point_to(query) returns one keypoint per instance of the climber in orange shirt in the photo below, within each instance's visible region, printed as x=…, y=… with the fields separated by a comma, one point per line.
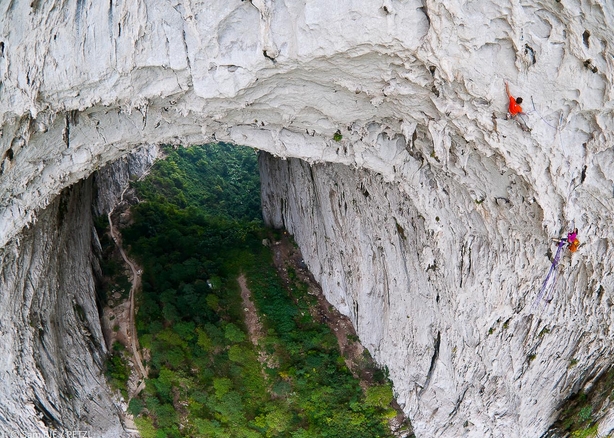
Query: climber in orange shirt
x=515, y=107
x=572, y=240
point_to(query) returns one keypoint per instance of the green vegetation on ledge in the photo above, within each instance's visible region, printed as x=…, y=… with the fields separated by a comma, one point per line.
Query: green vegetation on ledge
x=580, y=412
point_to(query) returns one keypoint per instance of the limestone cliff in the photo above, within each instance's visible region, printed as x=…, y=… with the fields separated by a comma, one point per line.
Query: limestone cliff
x=52, y=347
x=442, y=294
x=111, y=181
x=410, y=95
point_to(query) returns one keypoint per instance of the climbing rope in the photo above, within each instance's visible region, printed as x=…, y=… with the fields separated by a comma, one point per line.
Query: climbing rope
x=546, y=293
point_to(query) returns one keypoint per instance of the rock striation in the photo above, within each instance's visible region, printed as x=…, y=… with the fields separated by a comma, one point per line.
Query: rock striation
x=111, y=181
x=52, y=350
x=409, y=96
x=442, y=293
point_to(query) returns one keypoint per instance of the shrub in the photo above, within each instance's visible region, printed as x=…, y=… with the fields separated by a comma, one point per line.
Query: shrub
x=585, y=413
x=135, y=406
x=379, y=396
x=145, y=427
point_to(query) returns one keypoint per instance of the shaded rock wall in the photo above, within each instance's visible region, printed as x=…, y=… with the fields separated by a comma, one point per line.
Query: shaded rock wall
x=111, y=181
x=52, y=350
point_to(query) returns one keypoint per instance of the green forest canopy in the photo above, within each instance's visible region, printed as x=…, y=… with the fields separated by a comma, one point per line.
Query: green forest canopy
x=196, y=230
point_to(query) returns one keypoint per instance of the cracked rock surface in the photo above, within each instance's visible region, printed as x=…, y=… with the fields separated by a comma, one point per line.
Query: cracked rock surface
x=52, y=352
x=409, y=96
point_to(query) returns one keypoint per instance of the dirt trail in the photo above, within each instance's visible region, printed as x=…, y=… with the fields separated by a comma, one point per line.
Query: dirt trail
x=254, y=326
x=136, y=284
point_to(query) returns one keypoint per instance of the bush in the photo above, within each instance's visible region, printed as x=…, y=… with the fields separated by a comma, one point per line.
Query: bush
x=233, y=333
x=145, y=427
x=585, y=413
x=135, y=406
x=379, y=396
x=118, y=371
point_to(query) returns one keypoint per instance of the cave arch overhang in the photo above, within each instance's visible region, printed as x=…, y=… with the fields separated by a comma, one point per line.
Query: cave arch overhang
x=395, y=84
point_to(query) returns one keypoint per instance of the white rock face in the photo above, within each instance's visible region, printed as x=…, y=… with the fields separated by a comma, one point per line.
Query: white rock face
x=442, y=293
x=52, y=352
x=111, y=181
x=416, y=90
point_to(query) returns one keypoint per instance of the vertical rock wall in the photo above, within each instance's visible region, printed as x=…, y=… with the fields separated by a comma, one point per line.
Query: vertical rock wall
x=111, y=181
x=52, y=350
x=440, y=287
